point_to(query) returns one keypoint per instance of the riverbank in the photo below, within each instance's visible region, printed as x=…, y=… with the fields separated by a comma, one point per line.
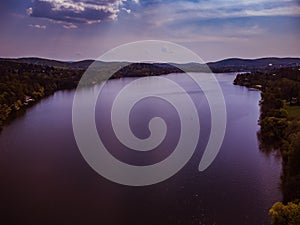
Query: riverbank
x=280, y=131
x=22, y=85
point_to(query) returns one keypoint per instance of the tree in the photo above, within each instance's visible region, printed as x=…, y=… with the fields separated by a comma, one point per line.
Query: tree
x=285, y=214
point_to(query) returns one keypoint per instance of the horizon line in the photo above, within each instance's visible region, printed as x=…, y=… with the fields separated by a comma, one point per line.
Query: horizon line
x=90, y=59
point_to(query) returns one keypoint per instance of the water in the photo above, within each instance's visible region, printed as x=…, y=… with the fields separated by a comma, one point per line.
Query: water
x=45, y=180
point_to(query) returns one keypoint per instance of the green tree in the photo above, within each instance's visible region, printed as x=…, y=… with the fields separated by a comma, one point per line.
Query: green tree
x=4, y=112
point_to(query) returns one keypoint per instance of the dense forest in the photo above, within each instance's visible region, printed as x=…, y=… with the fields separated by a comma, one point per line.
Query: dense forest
x=22, y=84
x=280, y=131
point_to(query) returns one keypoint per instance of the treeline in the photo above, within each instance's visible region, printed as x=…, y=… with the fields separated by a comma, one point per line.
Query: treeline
x=280, y=131
x=21, y=84
x=145, y=70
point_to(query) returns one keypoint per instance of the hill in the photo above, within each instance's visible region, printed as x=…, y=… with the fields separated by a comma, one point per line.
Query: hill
x=273, y=61
x=226, y=65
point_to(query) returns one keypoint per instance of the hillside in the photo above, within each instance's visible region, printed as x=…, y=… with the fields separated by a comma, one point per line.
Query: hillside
x=226, y=65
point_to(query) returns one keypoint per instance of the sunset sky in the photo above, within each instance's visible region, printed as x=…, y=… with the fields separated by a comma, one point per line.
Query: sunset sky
x=215, y=29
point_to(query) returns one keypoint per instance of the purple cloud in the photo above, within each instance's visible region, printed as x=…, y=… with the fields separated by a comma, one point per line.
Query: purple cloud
x=74, y=11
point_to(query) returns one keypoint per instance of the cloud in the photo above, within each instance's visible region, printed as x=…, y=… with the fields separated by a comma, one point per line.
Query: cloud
x=169, y=12
x=75, y=11
x=69, y=26
x=37, y=26
x=224, y=34
x=66, y=25
x=218, y=21
x=126, y=10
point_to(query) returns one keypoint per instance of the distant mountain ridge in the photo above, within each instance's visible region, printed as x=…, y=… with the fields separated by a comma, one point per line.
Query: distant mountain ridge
x=51, y=62
x=256, y=62
x=226, y=65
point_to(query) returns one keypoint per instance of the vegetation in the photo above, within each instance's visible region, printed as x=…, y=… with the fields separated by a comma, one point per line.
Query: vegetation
x=280, y=131
x=22, y=84
x=145, y=69
x=285, y=214
x=293, y=112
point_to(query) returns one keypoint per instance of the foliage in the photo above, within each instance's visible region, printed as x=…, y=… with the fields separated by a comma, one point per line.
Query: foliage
x=22, y=83
x=280, y=129
x=293, y=112
x=285, y=214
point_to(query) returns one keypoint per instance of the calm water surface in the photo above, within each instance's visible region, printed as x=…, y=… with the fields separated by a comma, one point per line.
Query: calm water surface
x=45, y=180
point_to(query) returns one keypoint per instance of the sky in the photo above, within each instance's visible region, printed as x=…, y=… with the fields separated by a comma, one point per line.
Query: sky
x=214, y=29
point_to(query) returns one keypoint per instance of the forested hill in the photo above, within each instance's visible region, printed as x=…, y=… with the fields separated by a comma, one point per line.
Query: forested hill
x=21, y=84
x=256, y=63
x=226, y=65
x=252, y=65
